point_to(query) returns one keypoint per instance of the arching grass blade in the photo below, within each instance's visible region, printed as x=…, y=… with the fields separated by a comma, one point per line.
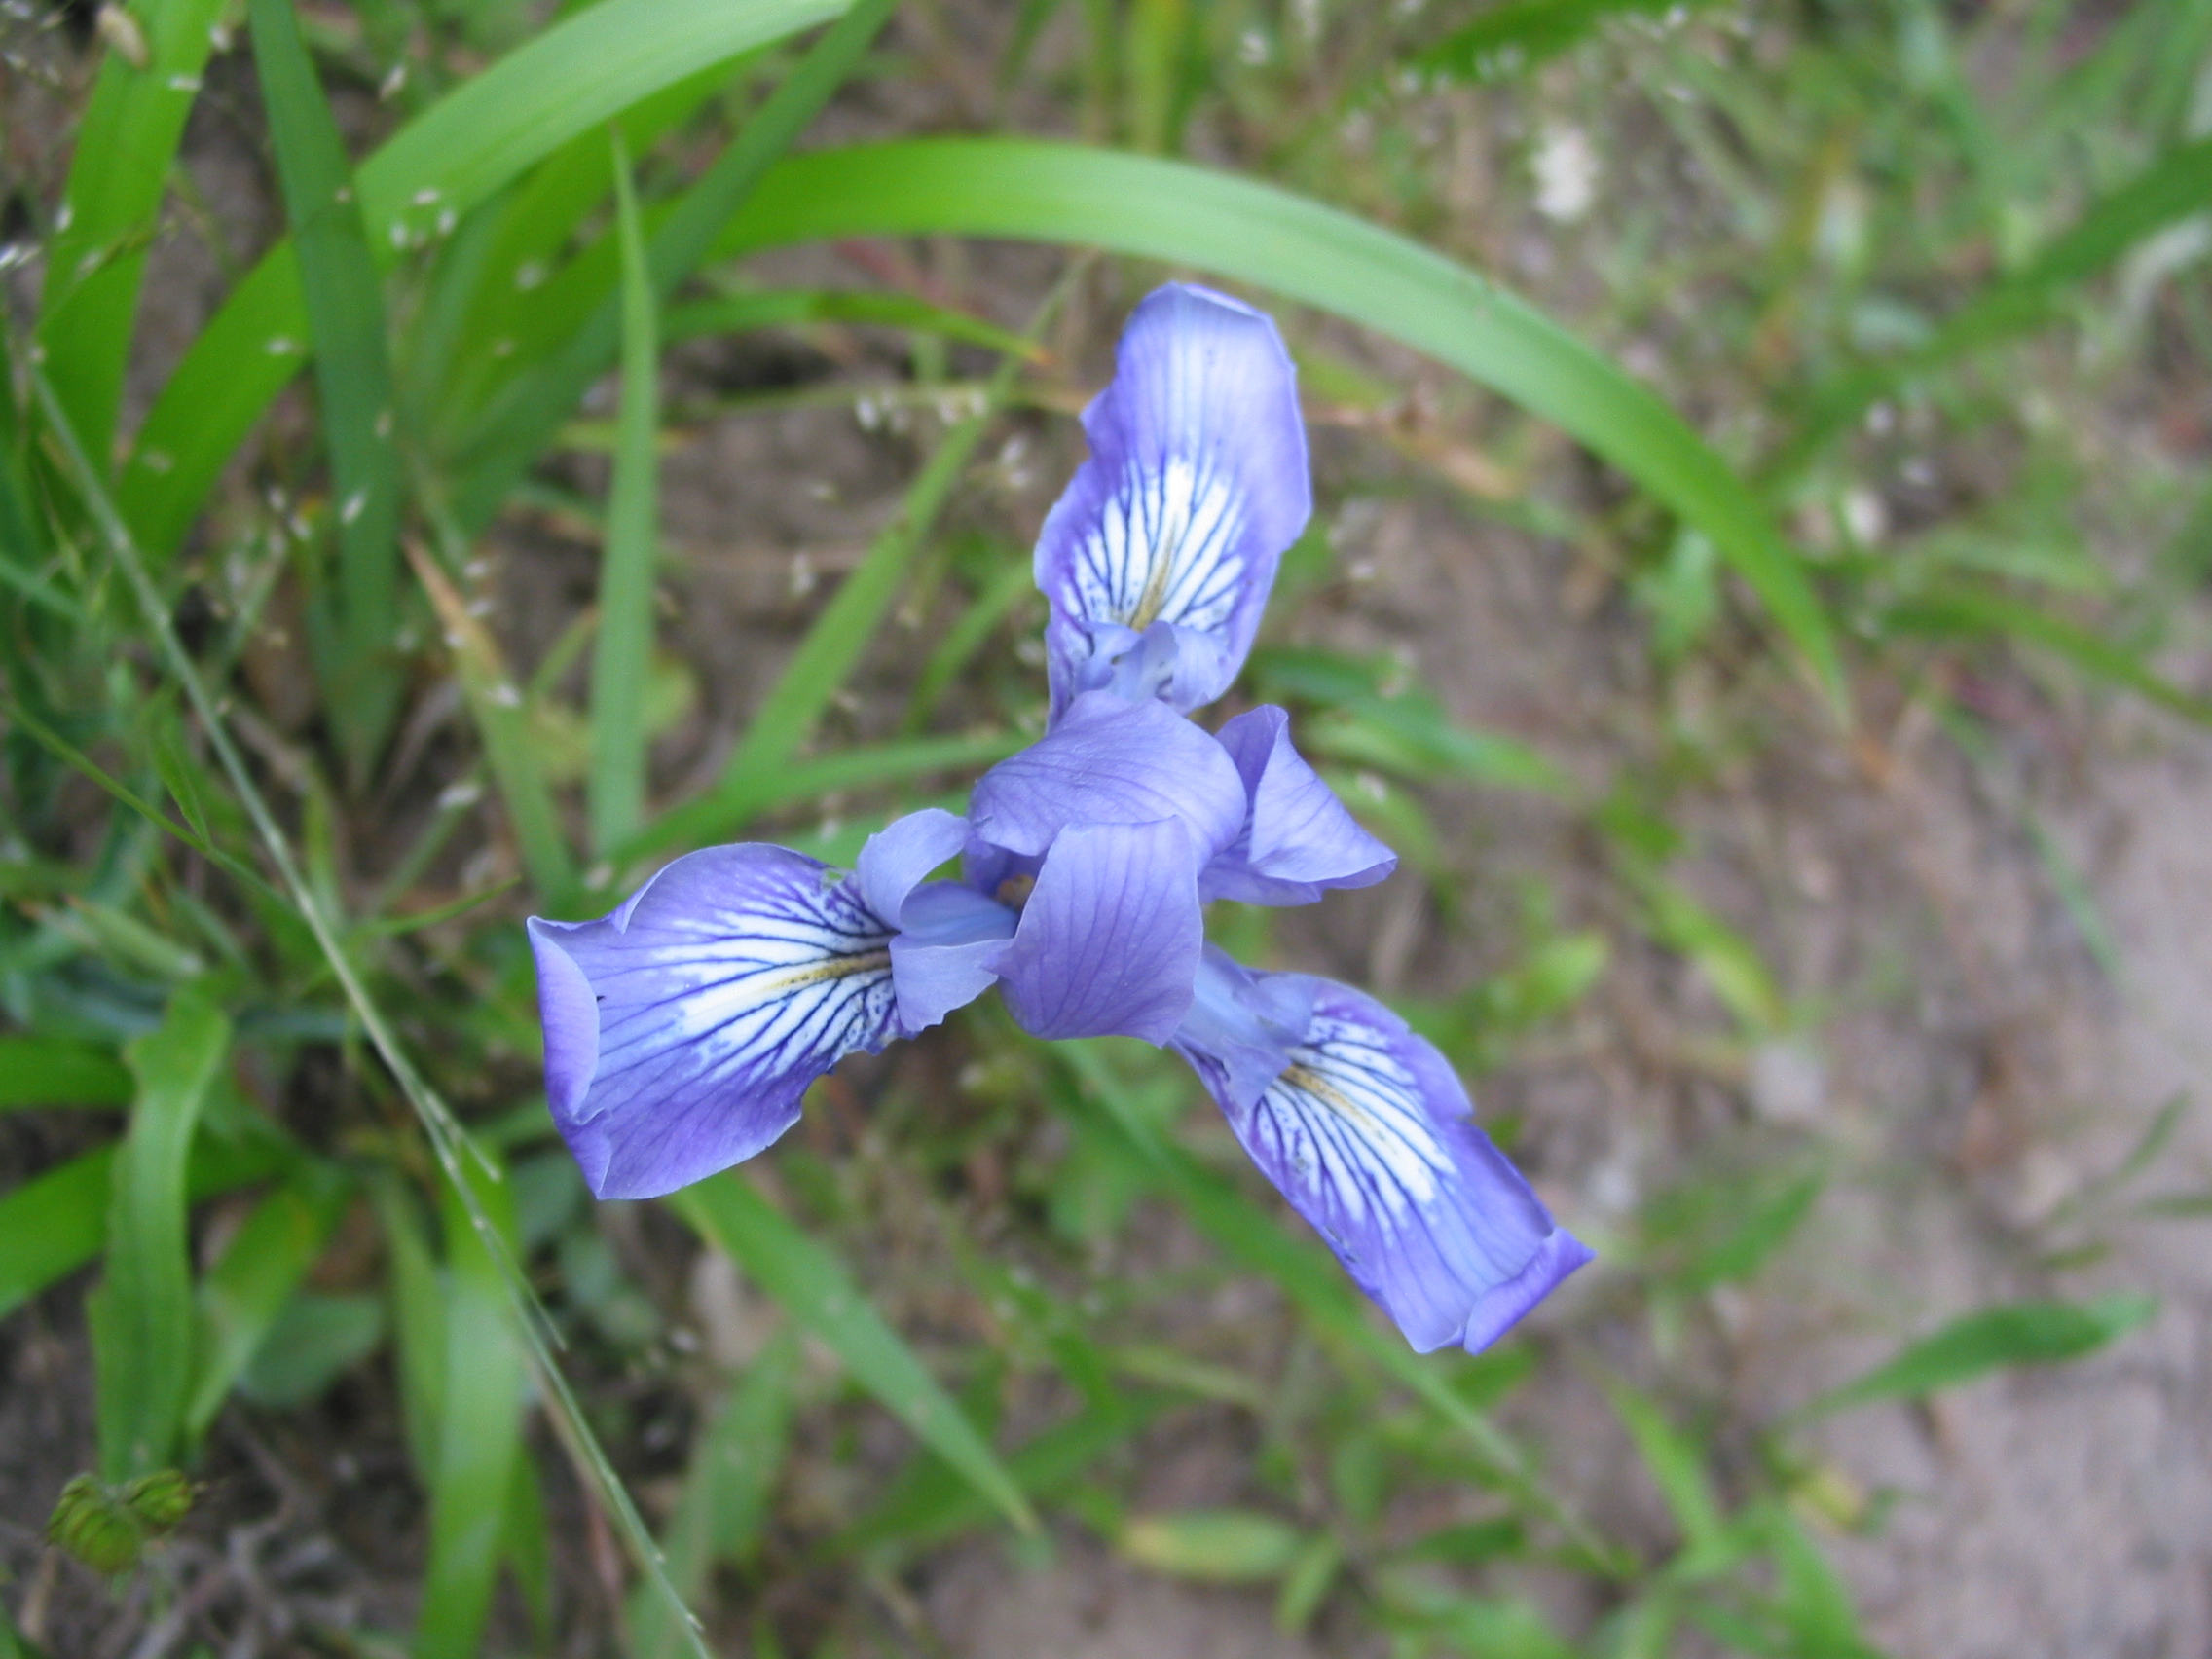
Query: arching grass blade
x=479, y=1428
x=141, y=1314
x=817, y=1291
x=125, y=143
x=246, y=1289
x=1961, y=610
x=2020, y=1333
x=54, y=1223
x=727, y=1489
x=464, y=346
x=721, y=815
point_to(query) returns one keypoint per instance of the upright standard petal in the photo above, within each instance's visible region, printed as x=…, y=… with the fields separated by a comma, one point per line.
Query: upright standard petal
x=1108, y=761
x=1109, y=939
x=681, y=1030
x=1158, y=557
x=1368, y=1133
x=1298, y=840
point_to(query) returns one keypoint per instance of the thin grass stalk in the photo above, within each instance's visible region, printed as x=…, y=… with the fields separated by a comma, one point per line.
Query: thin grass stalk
x=622, y=648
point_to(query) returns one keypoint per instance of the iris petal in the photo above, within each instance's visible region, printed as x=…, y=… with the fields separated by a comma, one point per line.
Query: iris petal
x=1197, y=482
x=682, y=1029
x=942, y=955
x=1109, y=939
x=946, y=951
x=1108, y=761
x=1298, y=840
x=1367, y=1132
x=896, y=857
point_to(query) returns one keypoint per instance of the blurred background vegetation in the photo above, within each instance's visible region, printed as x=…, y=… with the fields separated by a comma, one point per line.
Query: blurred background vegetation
x=457, y=453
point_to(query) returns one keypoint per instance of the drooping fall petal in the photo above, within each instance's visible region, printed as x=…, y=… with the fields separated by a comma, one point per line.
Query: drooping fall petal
x=1369, y=1134
x=681, y=1030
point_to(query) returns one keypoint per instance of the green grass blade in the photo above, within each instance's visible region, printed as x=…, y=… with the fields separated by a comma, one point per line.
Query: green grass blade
x=1761, y=1225
x=76, y=758
x=527, y=1548
x=461, y=350
x=622, y=648
x=312, y=1341
x=2174, y=187
x=98, y=256
x=1956, y=611
x=786, y=307
x=722, y=814
x=479, y=1428
x=24, y=542
x=418, y=1319
x=54, y=1223
x=1508, y=41
x=1255, y=232
x=817, y=1291
x=842, y=630
x=932, y=1503
x=246, y=1289
x=246, y=355
x=1731, y=963
x=1219, y=1546
x=346, y=327
x=2022, y=1332
x=54, y=1071
x=726, y=1490
x=574, y=77
x=1412, y=737
x=597, y=62
x=502, y=719
x=966, y=637
x=524, y=422
x=1811, y=1599
x=1673, y=1460
x=141, y=1314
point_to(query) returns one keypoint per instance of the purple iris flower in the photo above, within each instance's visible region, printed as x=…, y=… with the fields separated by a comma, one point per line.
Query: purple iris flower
x=682, y=1029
